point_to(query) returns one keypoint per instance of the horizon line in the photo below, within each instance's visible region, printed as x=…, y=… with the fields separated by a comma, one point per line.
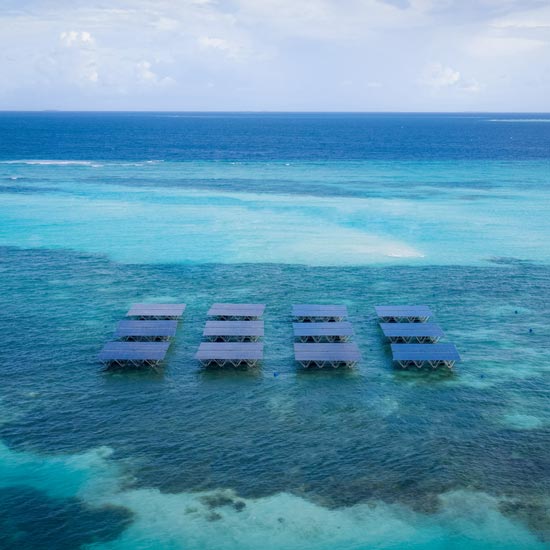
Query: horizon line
x=262, y=111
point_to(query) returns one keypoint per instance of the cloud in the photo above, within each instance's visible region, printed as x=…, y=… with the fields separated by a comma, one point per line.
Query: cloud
x=437, y=76
x=77, y=61
x=76, y=38
x=230, y=49
x=146, y=75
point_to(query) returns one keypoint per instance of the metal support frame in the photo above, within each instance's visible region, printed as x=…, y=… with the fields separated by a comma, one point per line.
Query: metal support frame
x=133, y=363
x=319, y=319
x=401, y=319
x=405, y=364
x=232, y=338
x=230, y=362
x=320, y=364
x=414, y=339
x=318, y=339
x=236, y=318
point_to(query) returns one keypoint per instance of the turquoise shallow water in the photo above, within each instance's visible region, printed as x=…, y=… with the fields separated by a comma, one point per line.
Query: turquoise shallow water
x=313, y=213
x=371, y=458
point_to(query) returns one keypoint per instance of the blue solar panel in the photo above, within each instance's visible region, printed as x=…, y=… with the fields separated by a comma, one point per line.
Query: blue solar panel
x=134, y=351
x=323, y=329
x=327, y=352
x=126, y=329
x=411, y=329
x=228, y=351
x=234, y=328
x=156, y=310
x=319, y=310
x=236, y=310
x=424, y=352
x=403, y=311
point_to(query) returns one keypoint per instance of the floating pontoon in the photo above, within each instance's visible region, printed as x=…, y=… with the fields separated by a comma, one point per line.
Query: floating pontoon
x=245, y=312
x=146, y=330
x=156, y=311
x=319, y=313
x=327, y=355
x=419, y=355
x=133, y=353
x=227, y=331
x=403, y=314
x=323, y=332
x=230, y=354
x=408, y=333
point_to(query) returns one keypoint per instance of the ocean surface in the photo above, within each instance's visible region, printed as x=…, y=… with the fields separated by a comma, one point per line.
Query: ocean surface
x=98, y=211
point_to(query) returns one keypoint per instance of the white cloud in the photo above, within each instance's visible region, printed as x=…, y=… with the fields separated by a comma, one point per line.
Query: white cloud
x=76, y=38
x=437, y=76
x=146, y=75
x=207, y=42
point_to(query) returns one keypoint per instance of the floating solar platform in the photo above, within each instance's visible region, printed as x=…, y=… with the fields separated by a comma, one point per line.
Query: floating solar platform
x=327, y=355
x=248, y=312
x=419, y=355
x=408, y=333
x=227, y=331
x=146, y=330
x=230, y=354
x=316, y=312
x=133, y=353
x=156, y=311
x=403, y=314
x=323, y=332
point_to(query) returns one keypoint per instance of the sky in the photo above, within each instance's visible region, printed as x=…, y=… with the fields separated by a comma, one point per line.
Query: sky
x=275, y=55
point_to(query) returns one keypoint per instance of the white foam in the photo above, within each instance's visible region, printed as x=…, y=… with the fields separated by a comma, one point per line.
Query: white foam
x=47, y=162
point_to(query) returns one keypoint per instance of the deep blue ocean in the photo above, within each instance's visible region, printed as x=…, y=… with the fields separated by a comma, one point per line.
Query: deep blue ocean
x=101, y=210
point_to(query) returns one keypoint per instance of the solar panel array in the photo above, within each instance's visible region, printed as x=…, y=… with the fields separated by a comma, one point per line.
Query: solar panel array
x=413, y=339
x=145, y=339
x=233, y=338
x=323, y=336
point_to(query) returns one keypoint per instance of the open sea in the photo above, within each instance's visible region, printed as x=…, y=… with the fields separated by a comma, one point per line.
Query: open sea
x=98, y=211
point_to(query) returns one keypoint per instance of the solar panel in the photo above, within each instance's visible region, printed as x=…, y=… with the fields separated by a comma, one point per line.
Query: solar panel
x=403, y=312
x=409, y=332
x=156, y=311
x=133, y=351
x=327, y=352
x=425, y=352
x=319, y=311
x=232, y=353
x=234, y=328
x=322, y=329
x=131, y=329
x=237, y=310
